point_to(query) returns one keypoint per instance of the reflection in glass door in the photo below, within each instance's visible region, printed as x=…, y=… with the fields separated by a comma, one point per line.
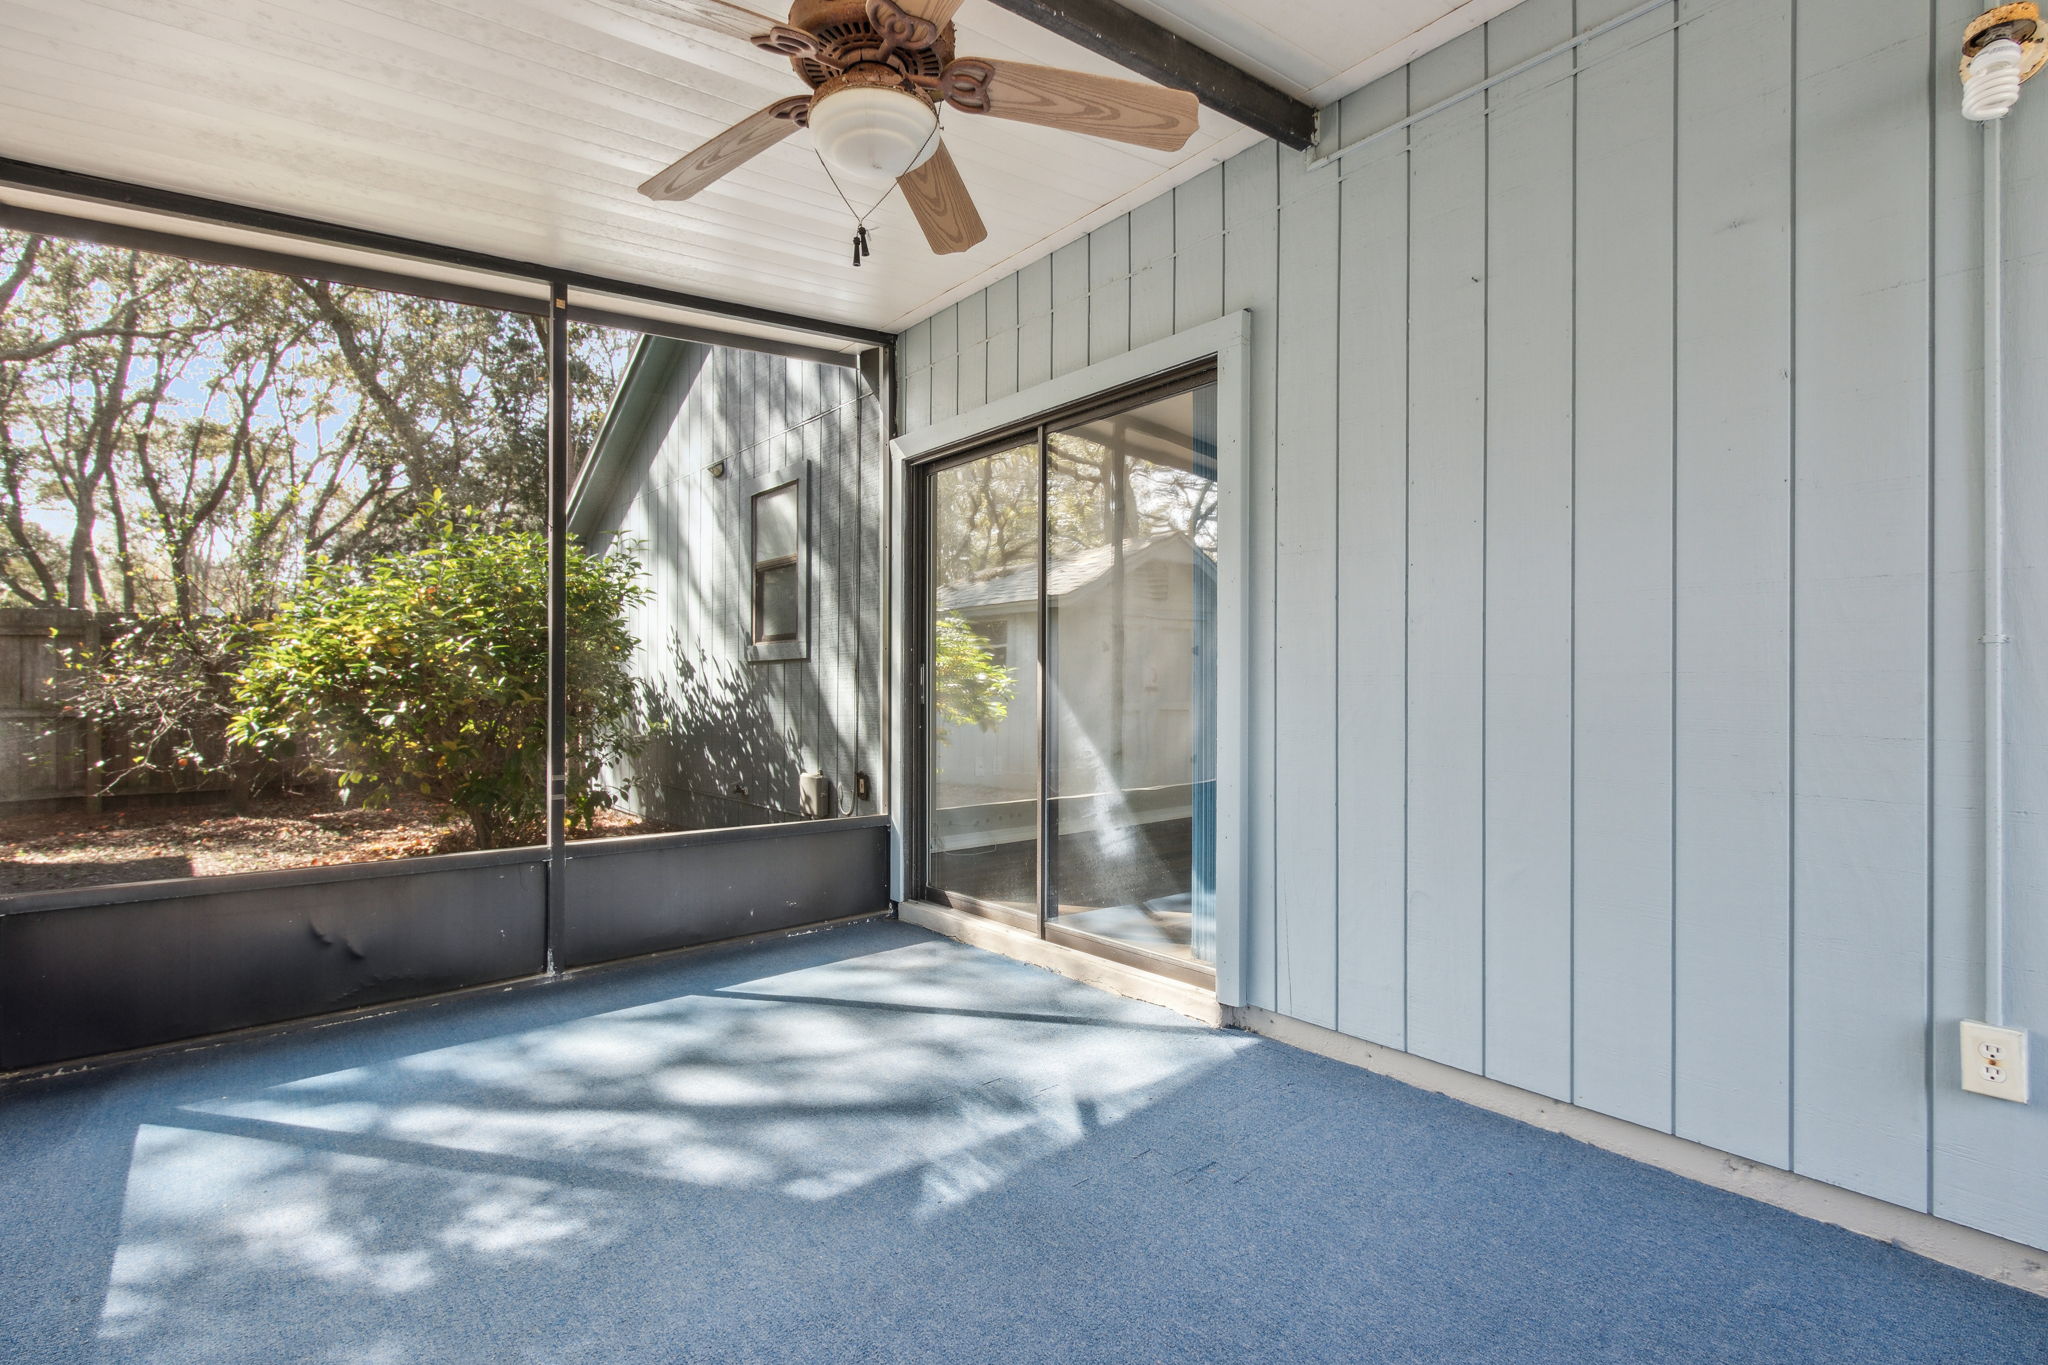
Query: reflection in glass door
x=1087, y=556
x=1131, y=706
x=981, y=676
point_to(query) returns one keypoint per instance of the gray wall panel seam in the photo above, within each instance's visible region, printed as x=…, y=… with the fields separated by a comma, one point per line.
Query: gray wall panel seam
x=1677, y=598
x=1336, y=113
x=1173, y=311
x=1571, y=1031
x=1407, y=543
x=1485, y=515
x=1934, y=73
x=1792, y=607
x=1273, y=610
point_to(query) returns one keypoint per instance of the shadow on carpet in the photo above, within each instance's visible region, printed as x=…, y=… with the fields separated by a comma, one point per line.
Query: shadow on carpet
x=872, y=1144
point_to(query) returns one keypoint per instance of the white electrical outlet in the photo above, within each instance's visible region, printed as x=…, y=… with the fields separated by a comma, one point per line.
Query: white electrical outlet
x=1995, y=1061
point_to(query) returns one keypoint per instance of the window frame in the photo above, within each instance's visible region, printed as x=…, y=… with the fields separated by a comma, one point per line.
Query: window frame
x=777, y=649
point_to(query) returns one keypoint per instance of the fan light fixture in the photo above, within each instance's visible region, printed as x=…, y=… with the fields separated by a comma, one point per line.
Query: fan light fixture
x=868, y=132
x=876, y=71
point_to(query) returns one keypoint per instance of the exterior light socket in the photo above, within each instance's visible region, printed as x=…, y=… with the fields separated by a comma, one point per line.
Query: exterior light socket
x=2019, y=23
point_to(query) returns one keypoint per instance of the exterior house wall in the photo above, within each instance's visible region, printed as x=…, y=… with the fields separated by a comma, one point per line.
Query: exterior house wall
x=1615, y=670
x=1157, y=710
x=989, y=777
x=735, y=734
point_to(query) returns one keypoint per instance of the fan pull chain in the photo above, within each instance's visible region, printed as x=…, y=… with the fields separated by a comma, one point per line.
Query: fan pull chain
x=861, y=248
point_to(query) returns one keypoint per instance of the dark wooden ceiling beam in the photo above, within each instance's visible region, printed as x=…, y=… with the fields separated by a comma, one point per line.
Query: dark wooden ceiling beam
x=1134, y=41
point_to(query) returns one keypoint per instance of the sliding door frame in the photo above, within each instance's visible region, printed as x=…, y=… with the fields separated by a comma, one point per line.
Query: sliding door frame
x=1212, y=353
x=915, y=781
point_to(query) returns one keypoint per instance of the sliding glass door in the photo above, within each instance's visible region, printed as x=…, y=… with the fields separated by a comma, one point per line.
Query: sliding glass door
x=982, y=681
x=1071, y=680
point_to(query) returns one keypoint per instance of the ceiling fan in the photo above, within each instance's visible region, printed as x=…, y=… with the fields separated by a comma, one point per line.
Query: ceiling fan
x=878, y=69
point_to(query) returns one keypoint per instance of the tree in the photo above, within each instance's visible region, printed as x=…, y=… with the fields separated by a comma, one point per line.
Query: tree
x=973, y=689
x=88, y=338
x=162, y=690
x=425, y=671
x=184, y=438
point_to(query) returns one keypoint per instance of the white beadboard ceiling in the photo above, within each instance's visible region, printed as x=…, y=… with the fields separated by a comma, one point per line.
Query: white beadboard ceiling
x=521, y=127
x=1319, y=50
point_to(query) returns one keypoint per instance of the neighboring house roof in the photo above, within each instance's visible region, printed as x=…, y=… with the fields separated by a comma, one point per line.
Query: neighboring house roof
x=661, y=368
x=1069, y=574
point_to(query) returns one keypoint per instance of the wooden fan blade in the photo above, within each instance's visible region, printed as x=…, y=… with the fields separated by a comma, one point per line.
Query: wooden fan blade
x=1101, y=106
x=754, y=134
x=939, y=198
x=940, y=12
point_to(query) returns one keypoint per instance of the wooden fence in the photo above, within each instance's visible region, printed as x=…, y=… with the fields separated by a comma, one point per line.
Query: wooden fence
x=46, y=757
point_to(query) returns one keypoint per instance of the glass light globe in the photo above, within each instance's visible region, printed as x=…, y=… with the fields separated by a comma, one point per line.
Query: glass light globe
x=873, y=133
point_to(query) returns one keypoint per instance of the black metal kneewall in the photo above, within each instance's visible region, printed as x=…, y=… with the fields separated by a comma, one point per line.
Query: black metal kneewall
x=634, y=896
x=81, y=981
x=86, y=973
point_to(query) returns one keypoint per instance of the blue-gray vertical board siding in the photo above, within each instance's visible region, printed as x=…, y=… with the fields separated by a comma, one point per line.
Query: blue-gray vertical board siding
x=1860, y=597
x=1529, y=556
x=1034, y=325
x=1971, y=1183
x=759, y=414
x=1772, y=801
x=1957, y=1187
x=914, y=356
x=1198, y=250
x=1003, y=337
x=1447, y=559
x=1622, y=613
x=1152, y=270
x=1109, y=290
x=873, y=627
x=1251, y=279
x=1308, y=717
x=1070, y=307
x=1372, y=572
x=1732, y=1079
x=974, y=348
x=945, y=364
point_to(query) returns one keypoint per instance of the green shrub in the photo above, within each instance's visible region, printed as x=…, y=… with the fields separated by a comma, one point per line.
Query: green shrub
x=426, y=671
x=973, y=689
x=161, y=690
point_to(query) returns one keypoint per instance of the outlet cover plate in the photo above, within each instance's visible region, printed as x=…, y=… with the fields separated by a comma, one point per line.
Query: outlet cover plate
x=1995, y=1061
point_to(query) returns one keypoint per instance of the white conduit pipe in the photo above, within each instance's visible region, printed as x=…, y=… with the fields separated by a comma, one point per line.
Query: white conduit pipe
x=1989, y=93
x=1994, y=571
x=1317, y=158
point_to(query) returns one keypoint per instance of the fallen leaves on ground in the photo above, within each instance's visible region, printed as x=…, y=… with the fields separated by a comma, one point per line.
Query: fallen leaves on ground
x=71, y=848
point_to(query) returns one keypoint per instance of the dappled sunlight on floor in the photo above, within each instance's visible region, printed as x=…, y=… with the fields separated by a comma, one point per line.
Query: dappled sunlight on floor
x=803, y=1087
x=918, y=1077
x=868, y=1143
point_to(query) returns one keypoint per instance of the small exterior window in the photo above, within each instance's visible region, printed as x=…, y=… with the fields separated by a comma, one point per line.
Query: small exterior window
x=778, y=562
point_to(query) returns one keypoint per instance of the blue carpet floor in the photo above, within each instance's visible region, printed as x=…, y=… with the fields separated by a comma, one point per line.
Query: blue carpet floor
x=869, y=1144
